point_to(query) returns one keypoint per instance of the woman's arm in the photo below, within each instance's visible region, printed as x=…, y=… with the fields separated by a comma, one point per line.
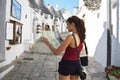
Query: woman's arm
x=61, y=48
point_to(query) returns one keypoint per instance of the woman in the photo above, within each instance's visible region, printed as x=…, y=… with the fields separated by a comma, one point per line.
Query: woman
x=68, y=66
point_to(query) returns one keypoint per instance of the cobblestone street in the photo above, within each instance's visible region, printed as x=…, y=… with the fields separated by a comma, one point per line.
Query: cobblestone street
x=44, y=66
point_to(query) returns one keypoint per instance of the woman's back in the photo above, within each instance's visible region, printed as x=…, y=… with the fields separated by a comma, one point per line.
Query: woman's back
x=70, y=52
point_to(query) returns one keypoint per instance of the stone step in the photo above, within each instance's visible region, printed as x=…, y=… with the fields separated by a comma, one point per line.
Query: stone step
x=5, y=69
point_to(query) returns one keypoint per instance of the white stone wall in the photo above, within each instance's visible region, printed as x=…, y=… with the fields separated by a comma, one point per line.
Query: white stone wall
x=119, y=18
x=17, y=49
x=96, y=32
x=115, y=37
x=101, y=48
x=26, y=20
x=2, y=29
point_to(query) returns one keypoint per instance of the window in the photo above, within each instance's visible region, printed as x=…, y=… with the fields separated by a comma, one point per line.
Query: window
x=16, y=10
x=17, y=33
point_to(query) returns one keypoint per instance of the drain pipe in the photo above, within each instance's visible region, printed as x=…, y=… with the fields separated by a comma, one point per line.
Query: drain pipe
x=108, y=32
x=118, y=19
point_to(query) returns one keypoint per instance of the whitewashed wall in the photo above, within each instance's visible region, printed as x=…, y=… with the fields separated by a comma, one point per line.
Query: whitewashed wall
x=2, y=29
x=115, y=37
x=26, y=20
x=18, y=49
x=96, y=33
x=101, y=47
x=97, y=36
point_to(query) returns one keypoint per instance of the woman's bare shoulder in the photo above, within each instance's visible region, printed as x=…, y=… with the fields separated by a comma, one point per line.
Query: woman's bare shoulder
x=68, y=39
x=69, y=36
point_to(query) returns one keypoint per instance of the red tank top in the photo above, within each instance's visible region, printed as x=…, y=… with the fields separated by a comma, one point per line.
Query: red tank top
x=70, y=53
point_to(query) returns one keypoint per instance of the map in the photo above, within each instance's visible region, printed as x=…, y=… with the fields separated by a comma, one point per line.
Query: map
x=51, y=37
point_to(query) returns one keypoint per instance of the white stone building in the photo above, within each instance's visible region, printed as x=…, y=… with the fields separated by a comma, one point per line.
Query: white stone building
x=97, y=23
x=21, y=24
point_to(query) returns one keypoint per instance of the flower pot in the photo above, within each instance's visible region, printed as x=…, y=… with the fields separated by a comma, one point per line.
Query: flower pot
x=112, y=77
x=113, y=72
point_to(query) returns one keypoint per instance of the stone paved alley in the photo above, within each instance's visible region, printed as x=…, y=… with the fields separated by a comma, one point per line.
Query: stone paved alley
x=41, y=64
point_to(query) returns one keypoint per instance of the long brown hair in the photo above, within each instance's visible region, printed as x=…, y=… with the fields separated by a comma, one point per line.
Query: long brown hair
x=79, y=23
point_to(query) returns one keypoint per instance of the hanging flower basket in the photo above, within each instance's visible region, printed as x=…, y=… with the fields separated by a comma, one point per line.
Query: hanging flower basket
x=113, y=72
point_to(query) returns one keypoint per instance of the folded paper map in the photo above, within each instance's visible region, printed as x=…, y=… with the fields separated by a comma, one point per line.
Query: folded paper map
x=51, y=37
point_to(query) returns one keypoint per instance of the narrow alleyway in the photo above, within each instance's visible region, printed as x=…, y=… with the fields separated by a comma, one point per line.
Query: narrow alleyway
x=36, y=65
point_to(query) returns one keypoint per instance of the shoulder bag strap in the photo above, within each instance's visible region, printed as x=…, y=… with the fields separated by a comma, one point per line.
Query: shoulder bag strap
x=86, y=48
x=77, y=50
x=84, y=45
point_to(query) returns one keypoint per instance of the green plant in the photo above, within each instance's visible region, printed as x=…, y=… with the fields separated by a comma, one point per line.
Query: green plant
x=113, y=70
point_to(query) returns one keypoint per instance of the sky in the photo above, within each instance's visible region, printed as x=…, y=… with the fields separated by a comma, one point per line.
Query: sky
x=67, y=4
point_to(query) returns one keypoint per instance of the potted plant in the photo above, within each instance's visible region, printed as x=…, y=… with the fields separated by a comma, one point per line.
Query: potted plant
x=113, y=72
